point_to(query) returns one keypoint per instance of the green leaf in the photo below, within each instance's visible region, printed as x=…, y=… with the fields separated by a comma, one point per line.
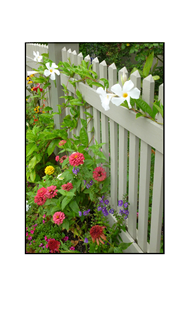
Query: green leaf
x=83, y=137
x=156, y=77
x=106, y=82
x=33, y=175
x=148, y=64
x=66, y=224
x=65, y=202
x=30, y=148
x=79, y=95
x=139, y=115
x=124, y=246
x=74, y=206
x=117, y=250
x=159, y=107
x=52, y=146
x=84, y=123
x=32, y=162
x=144, y=106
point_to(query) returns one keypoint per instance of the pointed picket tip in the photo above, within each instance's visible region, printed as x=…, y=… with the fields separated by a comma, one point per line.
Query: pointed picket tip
x=124, y=69
x=64, y=49
x=113, y=66
x=74, y=52
x=80, y=55
x=149, y=78
x=95, y=60
x=87, y=57
x=103, y=63
x=137, y=74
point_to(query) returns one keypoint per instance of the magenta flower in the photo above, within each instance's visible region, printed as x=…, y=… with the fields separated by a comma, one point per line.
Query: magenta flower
x=29, y=238
x=44, y=216
x=65, y=238
x=32, y=231
x=57, y=158
x=43, y=221
x=26, y=234
x=46, y=238
x=72, y=248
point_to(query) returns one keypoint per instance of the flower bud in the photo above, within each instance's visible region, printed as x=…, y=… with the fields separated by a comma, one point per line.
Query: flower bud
x=123, y=78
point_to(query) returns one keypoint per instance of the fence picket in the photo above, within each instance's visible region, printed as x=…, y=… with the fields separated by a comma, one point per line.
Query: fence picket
x=112, y=78
x=160, y=97
x=120, y=73
x=145, y=160
x=133, y=183
x=148, y=90
x=123, y=141
x=157, y=204
x=136, y=79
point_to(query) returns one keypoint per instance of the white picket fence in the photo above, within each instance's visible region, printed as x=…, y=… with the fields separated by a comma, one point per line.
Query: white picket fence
x=119, y=121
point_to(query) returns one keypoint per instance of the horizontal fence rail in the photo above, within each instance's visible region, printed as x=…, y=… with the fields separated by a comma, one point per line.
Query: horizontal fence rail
x=128, y=145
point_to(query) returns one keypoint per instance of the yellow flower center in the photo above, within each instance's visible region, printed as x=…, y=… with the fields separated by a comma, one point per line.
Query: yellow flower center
x=125, y=95
x=75, y=156
x=57, y=217
x=51, y=70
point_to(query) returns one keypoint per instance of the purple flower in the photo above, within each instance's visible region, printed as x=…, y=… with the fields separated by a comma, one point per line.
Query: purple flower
x=86, y=240
x=125, y=211
x=99, y=209
x=125, y=217
x=111, y=211
x=74, y=171
x=101, y=201
x=88, y=186
x=80, y=213
x=121, y=211
x=105, y=212
x=106, y=201
x=125, y=204
x=91, y=182
x=120, y=203
x=84, y=181
x=41, y=244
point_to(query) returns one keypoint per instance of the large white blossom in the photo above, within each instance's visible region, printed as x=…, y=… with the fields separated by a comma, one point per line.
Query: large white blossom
x=128, y=91
x=51, y=70
x=37, y=58
x=105, y=98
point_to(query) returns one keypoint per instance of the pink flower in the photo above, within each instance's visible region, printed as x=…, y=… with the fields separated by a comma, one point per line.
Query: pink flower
x=41, y=192
x=137, y=214
x=62, y=142
x=65, y=238
x=40, y=198
x=26, y=228
x=46, y=238
x=32, y=231
x=76, y=159
x=68, y=186
x=99, y=174
x=57, y=158
x=58, y=217
x=26, y=234
x=44, y=216
x=29, y=238
x=51, y=192
x=72, y=248
x=43, y=221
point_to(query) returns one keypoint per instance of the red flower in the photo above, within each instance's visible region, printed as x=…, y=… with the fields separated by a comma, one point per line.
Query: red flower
x=38, y=86
x=76, y=159
x=67, y=186
x=53, y=245
x=99, y=174
x=51, y=192
x=97, y=234
x=40, y=198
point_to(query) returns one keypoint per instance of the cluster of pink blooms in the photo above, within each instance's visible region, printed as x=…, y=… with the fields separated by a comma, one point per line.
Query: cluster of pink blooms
x=68, y=186
x=32, y=232
x=58, y=217
x=76, y=159
x=99, y=174
x=45, y=193
x=57, y=158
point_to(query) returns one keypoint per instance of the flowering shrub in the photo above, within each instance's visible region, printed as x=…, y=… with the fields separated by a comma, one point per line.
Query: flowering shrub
x=68, y=204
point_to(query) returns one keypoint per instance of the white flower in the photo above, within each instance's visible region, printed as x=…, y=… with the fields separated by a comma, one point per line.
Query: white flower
x=27, y=206
x=125, y=93
x=51, y=70
x=37, y=58
x=31, y=72
x=59, y=177
x=105, y=98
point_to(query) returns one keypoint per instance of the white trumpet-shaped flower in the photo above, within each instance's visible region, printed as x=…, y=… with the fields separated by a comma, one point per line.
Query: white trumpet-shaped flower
x=37, y=58
x=128, y=91
x=105, y=98
x=51, y=70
